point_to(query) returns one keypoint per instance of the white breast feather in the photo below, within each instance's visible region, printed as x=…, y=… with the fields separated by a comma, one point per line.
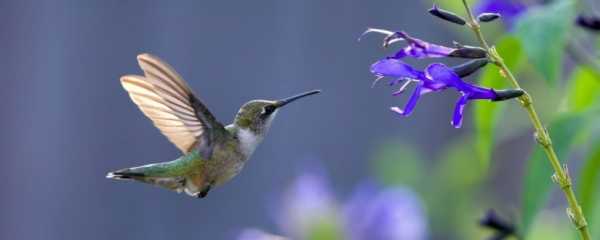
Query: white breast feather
x=248, y=141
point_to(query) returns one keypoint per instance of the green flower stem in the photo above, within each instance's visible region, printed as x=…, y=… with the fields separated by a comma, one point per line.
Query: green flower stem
x=561, y=175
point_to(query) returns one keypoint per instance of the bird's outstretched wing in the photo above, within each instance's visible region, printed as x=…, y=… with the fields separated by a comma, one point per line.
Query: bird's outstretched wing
x=165, y=98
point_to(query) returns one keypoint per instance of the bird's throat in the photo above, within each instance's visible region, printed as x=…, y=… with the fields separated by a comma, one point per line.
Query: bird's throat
x=249, y=140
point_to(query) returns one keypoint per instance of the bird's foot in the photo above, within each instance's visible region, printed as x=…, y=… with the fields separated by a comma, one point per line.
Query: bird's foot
x=204, y=192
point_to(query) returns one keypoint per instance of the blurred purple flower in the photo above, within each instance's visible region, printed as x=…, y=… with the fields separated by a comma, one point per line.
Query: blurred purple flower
x=306, y=202
x=371, y=213
x=509, y=9
x=436, y=77
x=255, y=234
x=389, y=214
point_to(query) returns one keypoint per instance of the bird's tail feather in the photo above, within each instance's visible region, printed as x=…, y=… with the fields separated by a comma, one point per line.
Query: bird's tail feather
x=125, y=174
x=151, y=170
x=156, y=174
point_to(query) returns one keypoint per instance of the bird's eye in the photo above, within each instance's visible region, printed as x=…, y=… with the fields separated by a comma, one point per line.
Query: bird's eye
x=267, y=110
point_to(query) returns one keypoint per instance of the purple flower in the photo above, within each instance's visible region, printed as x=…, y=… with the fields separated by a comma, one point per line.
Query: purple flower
x=389, y=214
x=436, y=77
x=309, y=211
x=419, y=49
x=306, y=203
x=509, y=9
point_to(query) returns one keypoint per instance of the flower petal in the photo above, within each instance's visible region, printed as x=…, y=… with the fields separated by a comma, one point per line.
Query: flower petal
x=389, y=35
x=412, y=102
x=419, y=49
x=395, y=68
x=442, y=76
x=458, y=111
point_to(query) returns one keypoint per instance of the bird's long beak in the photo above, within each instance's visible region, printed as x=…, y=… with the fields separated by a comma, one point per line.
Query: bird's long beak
x=285, y=101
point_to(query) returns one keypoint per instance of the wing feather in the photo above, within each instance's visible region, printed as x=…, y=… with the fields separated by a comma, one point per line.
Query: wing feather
x=155, y=105
x=165, y=98
x=179, y=125
x=168, y=83
x=164, y=74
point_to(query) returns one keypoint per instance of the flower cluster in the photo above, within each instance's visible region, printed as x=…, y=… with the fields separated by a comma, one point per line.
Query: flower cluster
x=436, y=77
x=308, y=210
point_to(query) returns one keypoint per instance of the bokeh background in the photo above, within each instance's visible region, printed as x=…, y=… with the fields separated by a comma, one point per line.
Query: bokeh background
x=66, y=120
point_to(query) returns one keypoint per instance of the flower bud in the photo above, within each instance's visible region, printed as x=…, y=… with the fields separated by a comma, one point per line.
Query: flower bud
x=492, y=221
x=469, y=52
x=506, y=94
x=446, y=15
x=470, y=67
x=488, y=17
x=590, y=23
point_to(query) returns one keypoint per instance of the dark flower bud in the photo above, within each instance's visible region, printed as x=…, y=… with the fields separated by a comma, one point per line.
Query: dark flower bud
x=588, y=22
x=470, y=67
x=446, y=15
x=468, y=52
x=506, y=94
x=488, y=17
x=502, y=228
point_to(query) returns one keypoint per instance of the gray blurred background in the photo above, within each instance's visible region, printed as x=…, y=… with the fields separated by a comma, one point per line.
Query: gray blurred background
x=66, y=120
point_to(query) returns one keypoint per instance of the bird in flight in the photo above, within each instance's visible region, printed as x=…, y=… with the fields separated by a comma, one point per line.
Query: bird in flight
x=212, y=153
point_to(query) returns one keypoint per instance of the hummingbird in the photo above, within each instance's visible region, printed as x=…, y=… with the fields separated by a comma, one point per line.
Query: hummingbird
x=212, y=153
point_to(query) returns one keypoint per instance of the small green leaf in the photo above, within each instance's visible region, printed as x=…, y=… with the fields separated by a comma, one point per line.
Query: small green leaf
x=589, y=183
x=537, y=182
x=486, y=113
x=543, y=31
x=584, y=89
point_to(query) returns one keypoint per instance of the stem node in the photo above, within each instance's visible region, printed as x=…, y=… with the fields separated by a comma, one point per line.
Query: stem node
x=541, y=136
x=579, y=223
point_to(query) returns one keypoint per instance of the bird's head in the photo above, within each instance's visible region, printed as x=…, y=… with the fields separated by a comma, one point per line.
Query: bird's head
x=256, y=116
